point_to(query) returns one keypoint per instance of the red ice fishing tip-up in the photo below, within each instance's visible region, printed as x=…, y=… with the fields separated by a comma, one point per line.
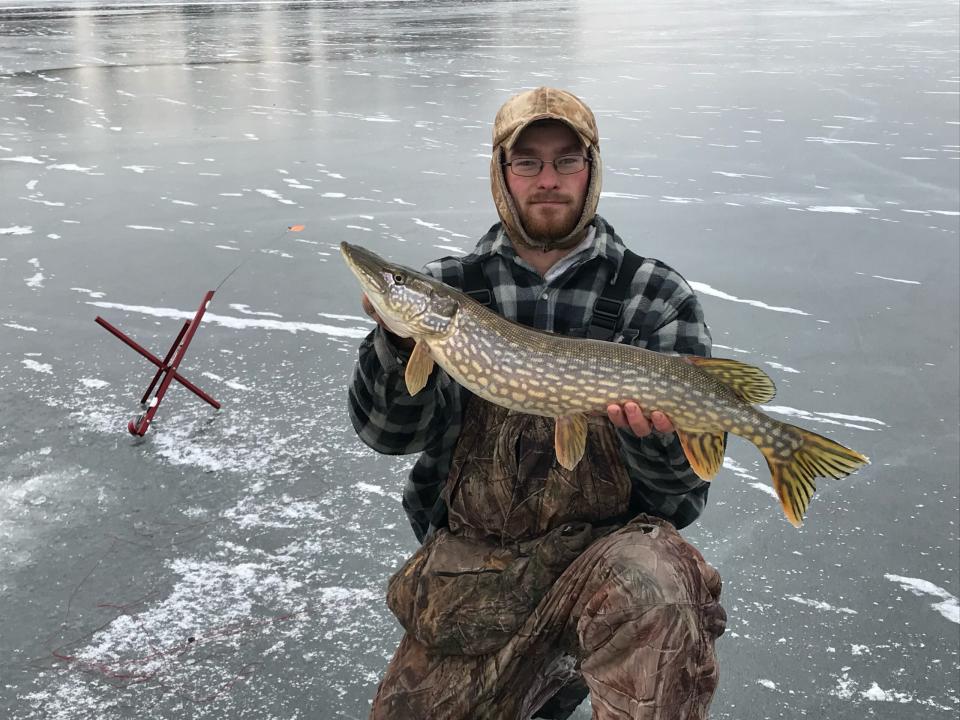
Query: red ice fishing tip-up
x=166, y=368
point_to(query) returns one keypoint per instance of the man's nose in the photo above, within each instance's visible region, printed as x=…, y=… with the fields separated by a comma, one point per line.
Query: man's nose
x=548, y=177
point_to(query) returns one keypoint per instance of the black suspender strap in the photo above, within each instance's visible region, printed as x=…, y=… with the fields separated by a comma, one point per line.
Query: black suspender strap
x=475, y=284
x=607, y=315
x=606, y=319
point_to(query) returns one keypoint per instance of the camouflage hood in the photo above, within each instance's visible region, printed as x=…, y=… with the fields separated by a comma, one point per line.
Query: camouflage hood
x=513, y=118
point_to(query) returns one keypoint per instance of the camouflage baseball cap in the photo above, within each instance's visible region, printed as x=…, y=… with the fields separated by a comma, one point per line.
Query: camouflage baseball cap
x=544, y=103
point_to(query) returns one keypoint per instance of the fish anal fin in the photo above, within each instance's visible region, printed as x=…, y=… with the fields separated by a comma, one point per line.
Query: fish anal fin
x=704, y=451
x=419, y=367
x=750, y=383
x=570, y=439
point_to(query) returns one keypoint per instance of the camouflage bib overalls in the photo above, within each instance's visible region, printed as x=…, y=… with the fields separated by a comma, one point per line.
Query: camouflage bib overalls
x=533, y=589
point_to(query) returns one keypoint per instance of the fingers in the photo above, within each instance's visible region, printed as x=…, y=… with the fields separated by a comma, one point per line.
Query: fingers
x=368, y=306
x=370, y=310
x=630, y=416
x=661, y=423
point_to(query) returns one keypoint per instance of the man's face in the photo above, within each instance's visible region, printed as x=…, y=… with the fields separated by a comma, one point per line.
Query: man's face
x=549, y=204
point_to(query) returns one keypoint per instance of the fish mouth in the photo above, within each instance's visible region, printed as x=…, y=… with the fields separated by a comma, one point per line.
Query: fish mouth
x=367, y=266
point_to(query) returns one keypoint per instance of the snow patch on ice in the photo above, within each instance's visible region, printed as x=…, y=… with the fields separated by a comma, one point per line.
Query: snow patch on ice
x=24, y=159
x=733, y=349
x=622, y=195
x=93, y=383
x=741, y=175
x=892, y=279
x=827, y=418
x=35, y=280
x=39, y=367
x=950, y=605
x=707, y=290
x=274, y=195
x=836, y=141
x=367, y=487
x=878, y=694
x=737, y=469
x=240, y=323
x=847, y=689
x=233, y=384
x=820, y=605
x=287, y=512
x=763, y=487
x=434, y=226
x=778, y=366
x=451, y=248
x=842, y=209
x=91, y=293
x=17, y=230
x=245, y=309
x=71, y=167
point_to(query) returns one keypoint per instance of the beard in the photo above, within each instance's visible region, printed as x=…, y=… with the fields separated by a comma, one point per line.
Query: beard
x=549, y=223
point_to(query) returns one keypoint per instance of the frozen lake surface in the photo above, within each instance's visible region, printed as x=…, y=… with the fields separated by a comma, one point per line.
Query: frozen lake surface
x=797, y=162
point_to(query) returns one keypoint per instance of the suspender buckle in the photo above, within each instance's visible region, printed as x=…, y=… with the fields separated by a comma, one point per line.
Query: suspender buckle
x=606, y=313
x=484, y=297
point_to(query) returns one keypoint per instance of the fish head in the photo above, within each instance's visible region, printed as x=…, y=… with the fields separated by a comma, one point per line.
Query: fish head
x=410, y=303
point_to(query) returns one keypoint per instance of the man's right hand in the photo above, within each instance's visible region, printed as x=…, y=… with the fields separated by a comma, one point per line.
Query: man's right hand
x=400, y=342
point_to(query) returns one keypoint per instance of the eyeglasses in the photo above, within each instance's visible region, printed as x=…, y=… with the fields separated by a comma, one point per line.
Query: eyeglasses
x=531, y=167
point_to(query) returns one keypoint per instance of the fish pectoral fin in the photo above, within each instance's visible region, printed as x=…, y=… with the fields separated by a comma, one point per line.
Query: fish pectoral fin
x=570, y=439
x=751, y=384
x=704, y=451
x=419, y=367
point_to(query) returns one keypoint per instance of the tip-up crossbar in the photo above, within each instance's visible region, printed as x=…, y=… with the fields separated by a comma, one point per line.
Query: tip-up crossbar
x=167, y=369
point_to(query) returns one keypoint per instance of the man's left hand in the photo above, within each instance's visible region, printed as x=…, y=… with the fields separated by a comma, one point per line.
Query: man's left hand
x=631, y=416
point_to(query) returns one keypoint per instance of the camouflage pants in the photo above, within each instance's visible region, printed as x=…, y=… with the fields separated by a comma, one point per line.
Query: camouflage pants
x=635, y=615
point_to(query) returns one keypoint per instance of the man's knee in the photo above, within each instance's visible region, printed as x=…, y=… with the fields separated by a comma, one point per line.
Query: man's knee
x=652, y=562
x=643, y=566
x=647, y=623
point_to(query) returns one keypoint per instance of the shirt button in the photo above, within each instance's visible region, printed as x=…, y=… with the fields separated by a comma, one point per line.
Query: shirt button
x=544, y=296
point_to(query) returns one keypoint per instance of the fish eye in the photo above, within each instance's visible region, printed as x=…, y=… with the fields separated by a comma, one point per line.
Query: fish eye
x=399, y=279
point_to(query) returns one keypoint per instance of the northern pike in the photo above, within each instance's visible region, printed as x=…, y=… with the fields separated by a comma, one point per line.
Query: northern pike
x=542, y=373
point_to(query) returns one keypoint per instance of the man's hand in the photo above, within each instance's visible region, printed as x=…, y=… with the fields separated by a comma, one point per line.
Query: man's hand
x=631, y=416
x=369, y=309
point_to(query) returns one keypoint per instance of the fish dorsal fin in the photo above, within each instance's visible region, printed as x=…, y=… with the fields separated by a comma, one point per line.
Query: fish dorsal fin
x=570, y=439
x=704, y=451
x=419, y=367
x=751, y=384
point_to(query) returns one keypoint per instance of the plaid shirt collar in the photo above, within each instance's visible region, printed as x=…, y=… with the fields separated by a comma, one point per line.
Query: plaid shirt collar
x=606, y=245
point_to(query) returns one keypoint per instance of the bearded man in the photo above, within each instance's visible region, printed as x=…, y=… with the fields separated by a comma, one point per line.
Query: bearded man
x=534, y=584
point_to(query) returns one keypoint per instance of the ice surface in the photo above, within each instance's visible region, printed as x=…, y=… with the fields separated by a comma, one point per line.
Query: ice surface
x=797, y=163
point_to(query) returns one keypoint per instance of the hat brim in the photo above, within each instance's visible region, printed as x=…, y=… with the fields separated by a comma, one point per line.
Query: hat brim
x=512, y=138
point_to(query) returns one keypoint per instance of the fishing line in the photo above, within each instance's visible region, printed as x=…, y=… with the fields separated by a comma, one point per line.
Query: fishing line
x=168, y=367
x=289, y=229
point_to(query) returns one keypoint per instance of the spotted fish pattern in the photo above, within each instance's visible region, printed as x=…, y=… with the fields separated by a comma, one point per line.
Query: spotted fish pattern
x=541, y=373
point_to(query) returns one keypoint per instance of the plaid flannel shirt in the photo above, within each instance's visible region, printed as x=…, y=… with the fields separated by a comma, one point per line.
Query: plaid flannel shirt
x=661, y=313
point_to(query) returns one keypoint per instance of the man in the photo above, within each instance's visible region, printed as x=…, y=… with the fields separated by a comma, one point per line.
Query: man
x=534, y=583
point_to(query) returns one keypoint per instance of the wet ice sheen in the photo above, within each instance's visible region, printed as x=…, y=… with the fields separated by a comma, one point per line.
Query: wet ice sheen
x=797, y=163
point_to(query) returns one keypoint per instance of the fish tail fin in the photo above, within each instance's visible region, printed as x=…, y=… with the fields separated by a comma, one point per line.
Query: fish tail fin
x=814, y=456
